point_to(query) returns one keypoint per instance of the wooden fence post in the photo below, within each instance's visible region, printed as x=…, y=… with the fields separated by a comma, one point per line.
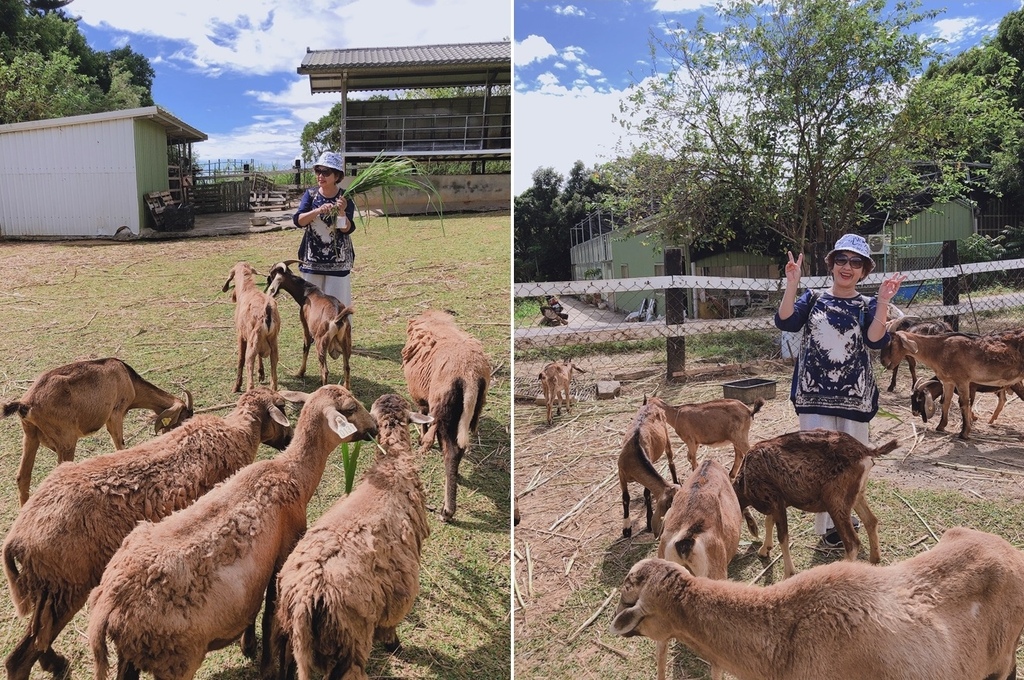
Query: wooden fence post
x=675, y=313
x=951, y=286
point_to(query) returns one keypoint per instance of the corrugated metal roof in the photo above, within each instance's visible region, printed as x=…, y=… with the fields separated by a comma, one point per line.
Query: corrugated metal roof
x=176, y=129
x=420, y=66
x=496, y=53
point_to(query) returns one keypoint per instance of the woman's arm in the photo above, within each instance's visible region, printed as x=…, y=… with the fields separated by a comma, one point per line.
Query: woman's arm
x=886, y=292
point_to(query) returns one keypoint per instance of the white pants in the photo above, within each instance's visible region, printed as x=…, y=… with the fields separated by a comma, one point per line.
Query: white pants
x=336, y=286
x=860, y=431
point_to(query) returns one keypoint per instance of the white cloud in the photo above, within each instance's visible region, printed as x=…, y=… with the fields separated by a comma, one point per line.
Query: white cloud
x=954, y=30
x=569, y=11
x=534, y=48
x=681, y=5
x=556, y=126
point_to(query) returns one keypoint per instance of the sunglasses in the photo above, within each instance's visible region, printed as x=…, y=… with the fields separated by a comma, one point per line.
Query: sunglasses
x=324, y=171
x=854, y=262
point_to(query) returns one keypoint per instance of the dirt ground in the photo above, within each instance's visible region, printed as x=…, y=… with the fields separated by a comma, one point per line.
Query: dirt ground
x=567, y=486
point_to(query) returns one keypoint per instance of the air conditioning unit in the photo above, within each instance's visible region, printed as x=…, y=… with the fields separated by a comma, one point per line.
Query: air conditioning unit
x=879, y=244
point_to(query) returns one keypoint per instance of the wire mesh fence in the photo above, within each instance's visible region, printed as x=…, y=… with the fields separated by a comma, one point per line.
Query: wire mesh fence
x=549, y=317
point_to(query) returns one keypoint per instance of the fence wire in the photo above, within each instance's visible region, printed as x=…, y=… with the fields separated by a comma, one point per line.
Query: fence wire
x=974, y=298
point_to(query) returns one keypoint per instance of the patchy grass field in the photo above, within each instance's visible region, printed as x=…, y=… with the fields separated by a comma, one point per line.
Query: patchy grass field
x=159, y=306
x=570, y=557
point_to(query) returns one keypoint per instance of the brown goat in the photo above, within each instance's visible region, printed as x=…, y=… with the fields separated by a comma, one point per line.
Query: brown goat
x=959, y=359
x=644, y=443
x=257, y=324
x=701, y=532
x=813, y=471
x=447, y=372
x=195, y=581
x=713, y=423
x=555, y=380
x=325, y=319
x=354, y=576
x=67, y=403
x=915, y=325
x=68, y=530
x=955, y=611
x=927, y=393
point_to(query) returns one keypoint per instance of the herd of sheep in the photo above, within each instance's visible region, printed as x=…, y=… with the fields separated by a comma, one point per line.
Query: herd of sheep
x=956, y=611
x=177, y=543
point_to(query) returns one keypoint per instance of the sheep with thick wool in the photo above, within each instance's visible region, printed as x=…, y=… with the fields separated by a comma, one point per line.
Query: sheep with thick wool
x=448, y=374
x=355, y=574
x=195, y=582
x=62, y=539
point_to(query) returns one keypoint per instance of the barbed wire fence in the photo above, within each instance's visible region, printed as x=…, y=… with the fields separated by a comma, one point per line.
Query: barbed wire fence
x=975, y=298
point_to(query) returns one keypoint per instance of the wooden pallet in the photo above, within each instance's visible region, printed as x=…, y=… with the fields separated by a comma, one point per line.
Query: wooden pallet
x=169, y=214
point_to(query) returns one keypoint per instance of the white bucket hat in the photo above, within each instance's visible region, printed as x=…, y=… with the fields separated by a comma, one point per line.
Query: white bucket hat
x=332, y=160
x=854, y=243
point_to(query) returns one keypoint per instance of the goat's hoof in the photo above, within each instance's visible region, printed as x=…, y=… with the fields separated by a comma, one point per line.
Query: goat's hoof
x=393, y=645
x=763, y=552
x=57, y=666
x=627, y=532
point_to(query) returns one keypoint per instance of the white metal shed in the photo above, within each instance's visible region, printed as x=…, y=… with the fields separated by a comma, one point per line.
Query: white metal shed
x=85, y=175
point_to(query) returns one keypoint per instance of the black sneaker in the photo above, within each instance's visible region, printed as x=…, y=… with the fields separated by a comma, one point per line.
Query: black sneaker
x=831, y=541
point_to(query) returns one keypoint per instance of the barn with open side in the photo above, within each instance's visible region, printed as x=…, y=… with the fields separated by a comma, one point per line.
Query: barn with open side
x=87, y=176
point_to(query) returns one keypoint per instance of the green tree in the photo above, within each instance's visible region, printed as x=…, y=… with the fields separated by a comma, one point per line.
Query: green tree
x=33, y=87
x=794, y=111
x=541, y=240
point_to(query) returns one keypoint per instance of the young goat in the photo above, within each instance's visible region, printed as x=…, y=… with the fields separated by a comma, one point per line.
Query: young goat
x=915, y=325
x=813, y=471
x=713, y=423
x=447, y=372
x=257, y=324
x=955, y=611
x=194, y=582
x=325, y=320
x=645, y=441
x=701, y=532
x=555, y=380
x=958, y=360
x=67, y=403
x=925, y=394
x=68, y=530
x=355, y=574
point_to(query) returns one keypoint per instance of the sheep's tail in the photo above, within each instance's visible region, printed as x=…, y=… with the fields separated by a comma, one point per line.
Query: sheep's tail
x=300, y=636
x=268, y=317
x=472, y=405
x=885, y=448
x=11, y=569
x=98, y=620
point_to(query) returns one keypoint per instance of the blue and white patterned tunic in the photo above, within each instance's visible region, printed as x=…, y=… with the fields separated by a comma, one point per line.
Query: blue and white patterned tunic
x=325, y=249
x=832, y=375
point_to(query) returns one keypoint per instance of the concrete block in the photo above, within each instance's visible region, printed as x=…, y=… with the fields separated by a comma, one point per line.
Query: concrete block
x=608, y=389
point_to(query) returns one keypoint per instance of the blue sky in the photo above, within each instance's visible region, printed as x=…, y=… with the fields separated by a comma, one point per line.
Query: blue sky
x=228, y=67
x=575, y=62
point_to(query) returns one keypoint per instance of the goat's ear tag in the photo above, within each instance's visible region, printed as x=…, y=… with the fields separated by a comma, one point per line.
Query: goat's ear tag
x=166, y=421
x=342, y=427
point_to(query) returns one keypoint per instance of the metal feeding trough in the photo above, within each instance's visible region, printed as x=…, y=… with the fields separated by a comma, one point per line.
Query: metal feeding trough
x=749, y=390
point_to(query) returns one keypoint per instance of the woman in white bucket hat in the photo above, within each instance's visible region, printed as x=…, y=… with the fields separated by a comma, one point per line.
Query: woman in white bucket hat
x=326, y=251
x=833, y=384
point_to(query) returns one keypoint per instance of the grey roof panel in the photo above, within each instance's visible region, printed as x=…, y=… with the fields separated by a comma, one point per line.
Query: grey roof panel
x=418, y=56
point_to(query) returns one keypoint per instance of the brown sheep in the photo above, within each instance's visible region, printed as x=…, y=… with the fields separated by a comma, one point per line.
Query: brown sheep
x=813, y=471
x=195, y=581
x=955, y=611
x=325, y=319
x=68, y=530
x=448, y=374
x=712, y=423
x=67, y=403
x=701, y=532
x=555, y=380
x=959, y=359
x=355, y=574
x=644, y=443
x=257, y=324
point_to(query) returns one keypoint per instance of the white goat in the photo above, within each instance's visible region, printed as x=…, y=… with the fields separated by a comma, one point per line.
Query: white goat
x=67, y=403
x=325, y=319
x=195, y=581
x=257, y=324
x=355, y=574
x=447, y=372
x=68, y=530
x=955, y=611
